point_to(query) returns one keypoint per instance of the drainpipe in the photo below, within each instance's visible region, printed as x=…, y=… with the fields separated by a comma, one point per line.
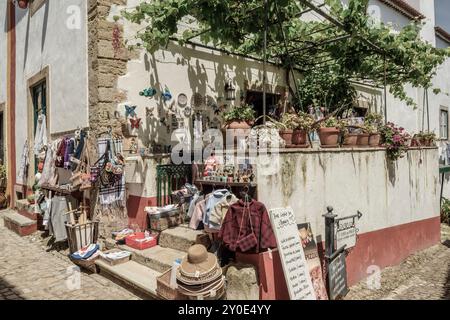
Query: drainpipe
x=11, y=101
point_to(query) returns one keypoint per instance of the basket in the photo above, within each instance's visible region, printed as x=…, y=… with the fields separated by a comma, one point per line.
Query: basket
x=164, y=290
x=133, y=241
x=81, y=235
x=88, y=265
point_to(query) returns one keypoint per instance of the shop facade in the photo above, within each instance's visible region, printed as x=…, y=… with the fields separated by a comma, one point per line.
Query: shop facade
x=81, y=79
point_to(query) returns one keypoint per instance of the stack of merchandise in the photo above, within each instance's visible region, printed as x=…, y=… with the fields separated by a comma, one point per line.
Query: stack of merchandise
x=162, y=218
x=120, y=236
x=115, y=256
x=85, y=257
x=199, y=276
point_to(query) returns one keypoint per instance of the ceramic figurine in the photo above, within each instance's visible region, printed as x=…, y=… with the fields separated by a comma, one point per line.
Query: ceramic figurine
x=166, y=95
x=148, y=93
x=130, y=111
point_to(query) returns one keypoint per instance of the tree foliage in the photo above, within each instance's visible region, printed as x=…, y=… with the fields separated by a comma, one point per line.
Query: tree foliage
x=328, y=67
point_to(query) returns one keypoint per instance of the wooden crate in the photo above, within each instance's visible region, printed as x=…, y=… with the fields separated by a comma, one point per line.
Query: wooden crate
x=81, y=235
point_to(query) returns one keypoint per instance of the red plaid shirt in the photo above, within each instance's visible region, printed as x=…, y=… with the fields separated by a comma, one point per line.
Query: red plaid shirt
x=231, y=231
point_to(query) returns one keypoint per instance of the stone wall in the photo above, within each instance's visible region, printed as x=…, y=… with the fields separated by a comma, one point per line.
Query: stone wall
x=106, y=64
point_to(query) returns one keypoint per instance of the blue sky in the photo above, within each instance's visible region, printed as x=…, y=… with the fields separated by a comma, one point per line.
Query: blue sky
x=443, y=14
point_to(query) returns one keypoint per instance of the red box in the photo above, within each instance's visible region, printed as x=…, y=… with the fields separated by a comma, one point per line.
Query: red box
x=133, y=241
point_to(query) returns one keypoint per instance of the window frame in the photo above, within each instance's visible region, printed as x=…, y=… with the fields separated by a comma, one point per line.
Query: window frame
x=441, y=111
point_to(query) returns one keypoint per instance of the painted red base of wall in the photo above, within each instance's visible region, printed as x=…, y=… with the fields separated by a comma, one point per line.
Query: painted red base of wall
x=382, y=248
x=136, y=213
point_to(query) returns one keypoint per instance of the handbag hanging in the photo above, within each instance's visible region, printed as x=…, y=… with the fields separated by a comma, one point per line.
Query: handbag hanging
x=250, y=241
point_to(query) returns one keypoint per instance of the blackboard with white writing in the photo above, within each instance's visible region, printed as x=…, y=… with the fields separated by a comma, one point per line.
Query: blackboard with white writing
x=337, y=277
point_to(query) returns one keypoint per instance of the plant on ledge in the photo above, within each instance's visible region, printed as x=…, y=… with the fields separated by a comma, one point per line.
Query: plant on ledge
x=395, y=139
x=240, y=117
x=426, y=138
x=372, y=124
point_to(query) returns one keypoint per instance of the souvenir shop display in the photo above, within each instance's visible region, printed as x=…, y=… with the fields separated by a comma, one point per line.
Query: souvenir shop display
x=198, y=277
x=115, y=257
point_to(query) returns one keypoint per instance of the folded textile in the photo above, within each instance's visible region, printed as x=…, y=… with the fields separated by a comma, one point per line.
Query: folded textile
x=117, y=255
x=86, y=252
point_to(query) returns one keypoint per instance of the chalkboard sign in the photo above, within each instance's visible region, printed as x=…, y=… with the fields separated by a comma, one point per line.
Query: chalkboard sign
x=292, y=255
x=337, y=277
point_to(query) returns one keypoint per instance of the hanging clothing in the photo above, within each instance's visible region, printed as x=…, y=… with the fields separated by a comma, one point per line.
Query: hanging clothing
x=23, y=166
x=49, y=175
x=197, y=216
x=40, y=137
x=113, y=195
x=237, y=227
x=60, y=153
x=68, y=152
x=58, y=218
x=220, y=210
x=215, y=198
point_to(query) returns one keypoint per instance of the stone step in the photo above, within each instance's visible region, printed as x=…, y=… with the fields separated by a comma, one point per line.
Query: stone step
x=180, y=238
x=27, y=210
x=157, y=258
x=19, y=224
x=131, y=275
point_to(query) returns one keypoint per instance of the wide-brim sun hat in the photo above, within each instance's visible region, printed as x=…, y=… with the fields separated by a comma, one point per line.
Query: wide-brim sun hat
x=213, y=289
x=198, y=267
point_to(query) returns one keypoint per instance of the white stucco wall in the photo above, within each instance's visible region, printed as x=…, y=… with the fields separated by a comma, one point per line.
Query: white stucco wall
x=3, y=48
x=45, y=39
x=387, y=193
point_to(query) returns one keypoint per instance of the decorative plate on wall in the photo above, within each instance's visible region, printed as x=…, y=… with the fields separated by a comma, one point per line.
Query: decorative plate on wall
x=182, y=100
x=187, y=112
x=197, y=100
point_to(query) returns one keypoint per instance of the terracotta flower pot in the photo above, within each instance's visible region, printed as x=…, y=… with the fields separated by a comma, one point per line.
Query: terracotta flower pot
x=350, y=139
x=238, y=124
x=299, y=137
x=374, y=140
x=286, y=135
x=363, y=139
x=329, y=137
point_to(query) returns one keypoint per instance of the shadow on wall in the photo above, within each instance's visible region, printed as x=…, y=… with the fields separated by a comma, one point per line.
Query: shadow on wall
x=223, y=66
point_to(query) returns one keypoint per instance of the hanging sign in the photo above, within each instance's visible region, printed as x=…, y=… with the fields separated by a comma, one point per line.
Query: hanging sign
x=346, y=231
x=292, y=255
x=337, y=277
x=312, y=260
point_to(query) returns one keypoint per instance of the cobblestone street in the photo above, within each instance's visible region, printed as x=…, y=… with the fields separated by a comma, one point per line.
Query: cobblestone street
x=423, y=276
x=28, y=271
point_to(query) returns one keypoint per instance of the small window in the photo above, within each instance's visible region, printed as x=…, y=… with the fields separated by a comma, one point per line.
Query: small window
x=443, y=124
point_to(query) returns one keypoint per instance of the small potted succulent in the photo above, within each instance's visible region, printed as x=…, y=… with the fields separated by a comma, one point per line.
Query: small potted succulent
x=288, y=123
x=329, y=132
x=304, y=124
x=240, y=117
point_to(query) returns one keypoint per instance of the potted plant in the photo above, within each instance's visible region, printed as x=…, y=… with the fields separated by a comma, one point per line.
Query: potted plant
x=329, y=132
x=395, y=139
x=304, y=124
x=240, y=117
x=426, y=139
x=350, y=138
x=288, y=123
x=23, y=4
x=372, y=123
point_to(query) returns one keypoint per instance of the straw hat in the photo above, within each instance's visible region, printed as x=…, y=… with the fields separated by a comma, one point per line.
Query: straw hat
x=199, y=267
x=212, y=290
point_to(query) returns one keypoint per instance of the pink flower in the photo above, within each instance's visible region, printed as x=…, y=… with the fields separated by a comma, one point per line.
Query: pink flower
x=396, y=138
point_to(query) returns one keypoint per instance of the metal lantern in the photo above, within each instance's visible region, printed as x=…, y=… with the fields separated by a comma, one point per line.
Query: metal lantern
x=230, y=91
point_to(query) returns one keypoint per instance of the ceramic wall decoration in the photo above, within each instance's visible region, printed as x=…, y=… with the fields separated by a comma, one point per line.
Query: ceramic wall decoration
x=135, y=123
x=149, y=111
x=130, y=111
x=197, y=100
x=166, y=95
x=182, y=100
x=148, y=93
x=187, y=112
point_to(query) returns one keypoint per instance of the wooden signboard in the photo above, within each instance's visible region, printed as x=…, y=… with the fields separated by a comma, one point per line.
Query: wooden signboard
x=337, y=277
x=292, y=255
